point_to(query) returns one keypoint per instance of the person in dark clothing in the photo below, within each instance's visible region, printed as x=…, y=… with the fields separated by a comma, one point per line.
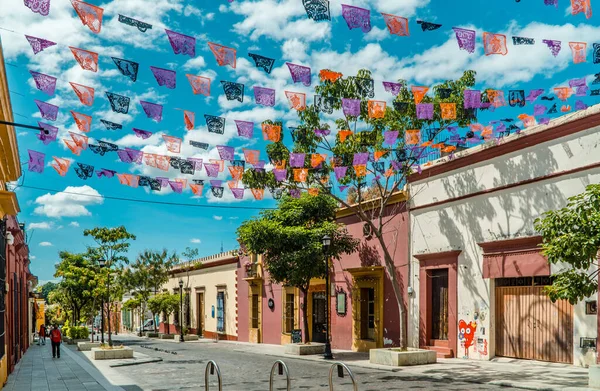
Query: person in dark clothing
x=56, y=339
x=42, y=335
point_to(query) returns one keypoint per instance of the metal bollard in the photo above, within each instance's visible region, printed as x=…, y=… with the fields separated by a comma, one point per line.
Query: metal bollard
x=211, y=366
x=340, y=366
x=282, y=367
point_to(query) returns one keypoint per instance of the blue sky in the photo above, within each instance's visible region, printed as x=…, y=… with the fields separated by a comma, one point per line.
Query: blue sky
x=277, y=29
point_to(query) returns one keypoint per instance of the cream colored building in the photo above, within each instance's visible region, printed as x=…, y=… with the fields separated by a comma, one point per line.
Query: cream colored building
x=211, y=284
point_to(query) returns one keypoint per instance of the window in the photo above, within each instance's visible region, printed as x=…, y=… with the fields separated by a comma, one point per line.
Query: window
x=255, y=303
x=367, y=313
x=220, y=312
x=288, y=324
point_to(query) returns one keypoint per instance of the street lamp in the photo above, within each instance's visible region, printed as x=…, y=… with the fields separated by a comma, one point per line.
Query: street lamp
x=326, y=241
x=181, y=310
x=102, y=263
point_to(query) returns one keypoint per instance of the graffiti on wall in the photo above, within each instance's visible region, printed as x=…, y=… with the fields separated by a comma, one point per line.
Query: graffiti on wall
x=466, y=335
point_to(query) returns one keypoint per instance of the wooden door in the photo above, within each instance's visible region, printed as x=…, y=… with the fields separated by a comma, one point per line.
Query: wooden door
x=530, y=326
x=319, y=321
x=200, y=313
x=439, y=304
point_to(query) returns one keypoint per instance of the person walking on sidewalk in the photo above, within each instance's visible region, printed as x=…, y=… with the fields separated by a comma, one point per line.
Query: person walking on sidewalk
x=55, y=338
x=42, y=335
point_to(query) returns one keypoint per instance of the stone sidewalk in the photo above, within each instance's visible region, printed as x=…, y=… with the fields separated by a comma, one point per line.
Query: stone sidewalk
x=38, y=371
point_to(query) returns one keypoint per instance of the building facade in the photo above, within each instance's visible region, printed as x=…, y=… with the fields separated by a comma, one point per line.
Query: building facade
x=364, y=312
x=16, y=282
x=209, y=297
x=477, y=271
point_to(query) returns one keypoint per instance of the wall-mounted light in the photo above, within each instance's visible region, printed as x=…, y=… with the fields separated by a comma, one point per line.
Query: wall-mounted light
x=10, y=239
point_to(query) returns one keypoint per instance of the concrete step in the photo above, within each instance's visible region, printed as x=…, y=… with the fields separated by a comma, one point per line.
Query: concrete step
x=442, y=352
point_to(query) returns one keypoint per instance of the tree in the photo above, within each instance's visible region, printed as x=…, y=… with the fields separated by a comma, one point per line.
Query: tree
x=290, y=238
x=78, y=282
x=45, y=289
x=400, y=157
x=165, y=304
x=571, y=236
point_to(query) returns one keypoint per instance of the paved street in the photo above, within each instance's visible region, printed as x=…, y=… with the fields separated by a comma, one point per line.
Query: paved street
x=243, y=370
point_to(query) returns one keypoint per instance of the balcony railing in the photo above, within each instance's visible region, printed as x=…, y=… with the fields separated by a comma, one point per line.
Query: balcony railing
x=252, y=271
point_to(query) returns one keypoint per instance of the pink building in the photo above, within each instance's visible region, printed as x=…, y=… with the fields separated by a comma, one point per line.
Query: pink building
x=364, y=311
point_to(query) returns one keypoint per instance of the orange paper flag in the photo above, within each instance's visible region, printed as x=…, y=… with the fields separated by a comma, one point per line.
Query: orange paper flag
x=316, y=159
x=360, y=170
x=300, y=174
x=162, y=162
x=251, y=156
x=221, y=163
x=376, y=108
x=494, y=44
x=258, y=193
x=528, y=120
x=331, y=76
x=200, y=85
x=563, y=93
x=82, y=121
x=378, y=154
x=90, y=15
x=419, y=93
x=61, y=165
x=189, y=117
x=196, y=189
x=271, y=132
x=128, y=179
x=173, y=143
x=84, y=93
x=412, y=137
x=313, y=191
x=578, y=50
x=236, y=172
x=496, y=98
x=72, y=145
x=297, y=100
x=448, y=110
x=86, y=59
x=344, y=134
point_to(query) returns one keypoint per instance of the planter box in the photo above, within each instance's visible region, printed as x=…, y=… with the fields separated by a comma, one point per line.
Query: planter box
x=151, y=334
x=300, y=349
x=87, y=346
x=166, y=336
x=70, y=341
x=594, y=376
x=190, y=337
x=110, y=354
x=399, y=358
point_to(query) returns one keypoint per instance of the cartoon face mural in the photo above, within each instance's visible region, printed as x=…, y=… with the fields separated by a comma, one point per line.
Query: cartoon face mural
x=467, y=333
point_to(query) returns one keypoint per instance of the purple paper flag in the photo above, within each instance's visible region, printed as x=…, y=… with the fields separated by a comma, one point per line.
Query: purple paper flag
x=196, y=162
x=48, y=137
x=182, y=44
x=472, y=99
x=225, y=152
x=165, y=77
x=264, y=96
x=539, y=110
x=425, y=111
x=238, y=194
x=260, y=165
x=41, y=7
x=553, y=45
x=297, y=160
x=579, y=105
x=216, y=183
x=544, y=121
x=581, y=90
x=351, y=107
x=280, y=174
x=299, y=73
x=177, y=187
x=143, y=134
x=340, y=172
x=394, y=88
x=551, y=2
x=295, y=193
x=577, y=82
x=357, y=18
x=47, y=110
x=124, y=156
x=390, y=137
x=39, y=44
x=36, y=161
x=135, y=155
x=245, y=129
x=152, y=110
x=465, y=38
x=322, y=132
x=105, y=172
x=360, y=158
x=164, y=182
x=533, y=95
x=212, y=170
x=44, y=83
x=344, y=187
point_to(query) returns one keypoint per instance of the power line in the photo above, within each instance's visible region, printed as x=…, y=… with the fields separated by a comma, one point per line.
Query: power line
x=145, y=201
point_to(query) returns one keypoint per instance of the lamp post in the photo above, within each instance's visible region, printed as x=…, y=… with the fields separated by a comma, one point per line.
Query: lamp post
x=326, y=244
x=181, y=310
x=102, y=263
x=108, y=307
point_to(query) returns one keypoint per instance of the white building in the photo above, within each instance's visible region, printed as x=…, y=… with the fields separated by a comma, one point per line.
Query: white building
x=476, y=273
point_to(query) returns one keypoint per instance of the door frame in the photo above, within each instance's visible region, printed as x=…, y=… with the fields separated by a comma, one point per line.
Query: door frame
x=200, y=311
x=442, y=260
x=312, y=313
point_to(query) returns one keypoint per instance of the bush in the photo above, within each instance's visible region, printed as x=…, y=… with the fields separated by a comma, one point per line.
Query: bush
x=77, y=332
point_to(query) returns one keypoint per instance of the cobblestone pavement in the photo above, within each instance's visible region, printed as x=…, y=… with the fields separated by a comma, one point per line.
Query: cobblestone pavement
x=38, y=371
x=249, y=371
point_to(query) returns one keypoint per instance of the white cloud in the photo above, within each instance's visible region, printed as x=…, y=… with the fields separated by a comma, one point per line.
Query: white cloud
x=73, y=224
x=377, y=34
x=195, y=240
x=32, y=257
x=195, y=63
x=234, y=218
x=73, y=202
x=218, y=218
x=45, y=244
x=42, y=225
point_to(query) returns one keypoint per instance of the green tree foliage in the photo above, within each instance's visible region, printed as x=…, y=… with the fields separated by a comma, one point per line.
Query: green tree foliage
x=78, y=284
x=367, y=136
x=571, y=236
x=290, y=238
x=45, y=289
x=165, y=304
x=111, y=244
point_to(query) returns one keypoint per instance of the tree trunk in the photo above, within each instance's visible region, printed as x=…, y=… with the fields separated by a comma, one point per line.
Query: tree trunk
x=304, y=314
x=391, y=271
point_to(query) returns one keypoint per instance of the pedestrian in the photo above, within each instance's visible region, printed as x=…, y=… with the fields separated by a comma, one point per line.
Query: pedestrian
x=42, y=335
x=55, y=338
